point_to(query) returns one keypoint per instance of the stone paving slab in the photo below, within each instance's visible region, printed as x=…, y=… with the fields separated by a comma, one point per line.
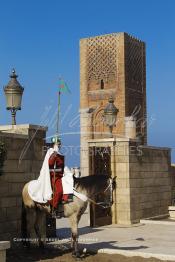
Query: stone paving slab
x=146, y=240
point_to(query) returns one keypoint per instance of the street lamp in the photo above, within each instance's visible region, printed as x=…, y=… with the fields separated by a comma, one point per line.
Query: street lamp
x=110, y=115
x=13, y=92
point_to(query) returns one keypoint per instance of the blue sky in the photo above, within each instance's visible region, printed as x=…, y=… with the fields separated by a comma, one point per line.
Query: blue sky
x=41, y=40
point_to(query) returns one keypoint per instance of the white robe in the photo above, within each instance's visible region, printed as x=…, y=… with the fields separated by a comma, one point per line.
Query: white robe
x=40, y=190
x=67, y=181
x=68, y=185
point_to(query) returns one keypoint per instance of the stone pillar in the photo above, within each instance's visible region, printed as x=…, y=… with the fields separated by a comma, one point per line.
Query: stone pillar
x=123, y=188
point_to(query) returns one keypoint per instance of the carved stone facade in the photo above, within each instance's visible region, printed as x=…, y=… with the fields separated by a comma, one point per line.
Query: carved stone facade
x=135, y=81
x=111, y=65
x=102, y=57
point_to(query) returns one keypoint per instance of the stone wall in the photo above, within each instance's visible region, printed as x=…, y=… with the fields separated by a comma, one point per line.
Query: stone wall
x=144, y=179
x=150, y=182
x=24, y=145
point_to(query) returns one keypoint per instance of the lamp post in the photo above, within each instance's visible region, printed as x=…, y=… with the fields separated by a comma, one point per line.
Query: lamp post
x=110, y=115
x=13, y=92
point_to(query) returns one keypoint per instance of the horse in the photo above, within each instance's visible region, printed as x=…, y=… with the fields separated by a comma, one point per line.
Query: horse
x=90, y=186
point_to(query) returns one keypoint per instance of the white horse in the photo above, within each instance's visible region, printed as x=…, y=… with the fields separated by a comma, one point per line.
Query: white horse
x=90, y=186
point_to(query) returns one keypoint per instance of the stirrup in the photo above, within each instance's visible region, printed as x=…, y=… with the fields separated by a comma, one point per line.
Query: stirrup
x=57, y=214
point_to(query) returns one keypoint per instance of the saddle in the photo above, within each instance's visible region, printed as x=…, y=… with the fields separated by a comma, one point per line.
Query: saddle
x=68, y=185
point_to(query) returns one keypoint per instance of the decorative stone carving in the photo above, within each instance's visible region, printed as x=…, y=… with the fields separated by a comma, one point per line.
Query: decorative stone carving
x=135, y=65
x=102, y=58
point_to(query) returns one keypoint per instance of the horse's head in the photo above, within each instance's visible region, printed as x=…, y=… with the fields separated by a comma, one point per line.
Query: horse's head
x=106, y=196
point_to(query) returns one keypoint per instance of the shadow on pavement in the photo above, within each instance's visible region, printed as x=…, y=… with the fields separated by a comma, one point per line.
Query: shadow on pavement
x=94, y=244
x=66, y=232
x=109, y=245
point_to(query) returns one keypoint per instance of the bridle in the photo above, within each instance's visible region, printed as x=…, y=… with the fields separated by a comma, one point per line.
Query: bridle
x=101, y=204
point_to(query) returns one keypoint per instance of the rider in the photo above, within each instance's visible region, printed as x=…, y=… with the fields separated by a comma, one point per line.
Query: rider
x=56, y=167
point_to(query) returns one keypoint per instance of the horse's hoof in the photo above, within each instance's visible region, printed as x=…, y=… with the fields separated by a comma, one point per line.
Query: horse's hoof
x=76, y=255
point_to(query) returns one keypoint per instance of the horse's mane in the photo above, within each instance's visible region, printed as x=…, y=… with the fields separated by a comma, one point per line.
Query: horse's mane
x=91, y=183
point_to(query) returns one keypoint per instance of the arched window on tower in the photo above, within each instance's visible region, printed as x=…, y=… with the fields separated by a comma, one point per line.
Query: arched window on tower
x=101, y=84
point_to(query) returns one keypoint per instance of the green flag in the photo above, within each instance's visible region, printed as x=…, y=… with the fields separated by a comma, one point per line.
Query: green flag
x=63, y=88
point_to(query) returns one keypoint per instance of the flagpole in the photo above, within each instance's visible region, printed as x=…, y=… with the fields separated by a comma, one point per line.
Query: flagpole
x=58, y=113
x=62, y=88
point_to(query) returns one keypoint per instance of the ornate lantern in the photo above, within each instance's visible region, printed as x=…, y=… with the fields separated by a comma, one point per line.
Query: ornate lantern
x=13, y=92
x=110, y=115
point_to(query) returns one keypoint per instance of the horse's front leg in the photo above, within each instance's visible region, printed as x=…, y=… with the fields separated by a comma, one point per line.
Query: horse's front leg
x=75, y=251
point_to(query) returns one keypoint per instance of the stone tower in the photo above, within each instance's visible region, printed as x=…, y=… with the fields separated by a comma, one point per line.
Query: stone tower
x=111, y=65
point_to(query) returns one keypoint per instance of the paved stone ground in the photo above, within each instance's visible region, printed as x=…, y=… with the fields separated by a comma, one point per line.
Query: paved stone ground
x=54, y=254
x=146, y=240
x=138, y=243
